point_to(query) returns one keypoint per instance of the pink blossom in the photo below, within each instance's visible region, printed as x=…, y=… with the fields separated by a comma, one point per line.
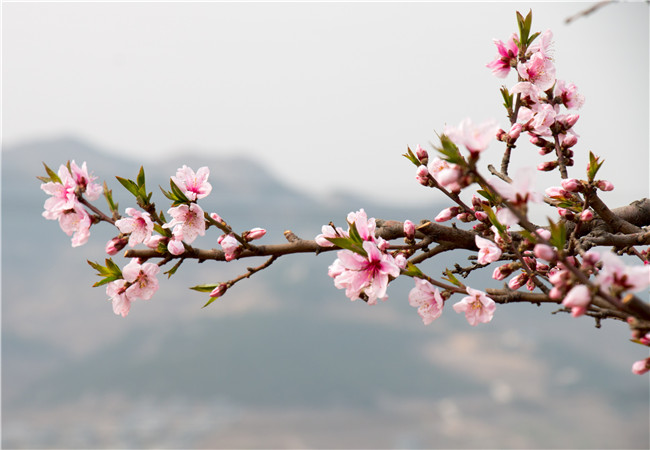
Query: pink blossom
x=368, y=274
x=475, y=138
x=446, y=174
x=578, y=300
x=84, y=181
x=615, y=274
x=478, y=307
x=507, y=56
x=76, y=223
x=193, y=185
x=154, y=240
x=116, y=292
x=568, y=94
x=427, y=299
x=139, y=225
x=63, y=195
x=538, y=70
x=365, y=227
x=142, y=279
x=521, y=190
x=230, y=246
x=542, y=44
x=488, y=250
x=188, y=221
x=328, y=231
x=527, y=89
x=641, y=367
x=400, y=261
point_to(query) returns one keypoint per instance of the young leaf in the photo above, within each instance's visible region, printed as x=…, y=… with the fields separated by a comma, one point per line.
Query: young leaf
x=594, y=166
x=140, y=178
x=451, y=278
x=412, y=270
x=411, y=157
x=52, y=174
x=449, y=151
x=205, y=287
x=210, y=301
x=173, y=270
x=348, y=244
x=129, y=185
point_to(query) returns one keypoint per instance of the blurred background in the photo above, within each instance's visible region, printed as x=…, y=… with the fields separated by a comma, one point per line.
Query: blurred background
x=301, y=112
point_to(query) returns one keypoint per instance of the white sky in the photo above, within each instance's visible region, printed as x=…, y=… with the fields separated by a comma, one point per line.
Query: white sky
x=325, y=95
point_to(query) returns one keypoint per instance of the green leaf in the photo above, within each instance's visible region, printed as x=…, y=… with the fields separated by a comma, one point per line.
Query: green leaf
x=348, y=244
x=508, y=98
x=129, y=185
x=354, y=234
x=173, y=270
x=210, y=301
x=487, y=195
x=177, y=194
x=411, y=157
x=594, y=166
x=99, y=268
x=558, y=234
x=449, y=151
x=205, y=287
x=108, y=195
x=106, y=280
x=493, y=219
x=52, y=174
x=140, y=178
x=412, y=270
x=452, y=279
x=532, y=38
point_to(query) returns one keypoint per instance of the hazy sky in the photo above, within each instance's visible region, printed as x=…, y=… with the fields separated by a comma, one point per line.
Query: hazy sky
x=325, y=95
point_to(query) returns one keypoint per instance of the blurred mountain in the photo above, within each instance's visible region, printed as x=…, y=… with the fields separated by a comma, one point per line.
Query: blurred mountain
x=284, y=353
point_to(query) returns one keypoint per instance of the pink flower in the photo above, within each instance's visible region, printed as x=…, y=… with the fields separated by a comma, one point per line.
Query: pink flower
x=578, y=300
x=142, y=279
x=84, y=181
x=76, y=223
x=568, y=93
x=615, y=274
x=478, y=307
x=230, y=246
x=154, y=240
x=188, y=222
x=63, y=195
x=139, y=225
x=520, y=191
x=506, y=58
x=539, y=70
x=542, y=44
x=368, y=274
x=475, y=138
x=193, y=185
x=527, y=89
x=447, y=175
x=488, y=250
x=365, y=227
x=117, y=295
x=641, y=367
x=427, y=299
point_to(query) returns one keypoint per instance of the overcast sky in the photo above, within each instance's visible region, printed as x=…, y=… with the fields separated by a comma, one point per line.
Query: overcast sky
x=325, y=95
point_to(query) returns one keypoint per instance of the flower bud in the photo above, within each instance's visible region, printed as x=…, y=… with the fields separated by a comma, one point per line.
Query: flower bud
x=571, y=185
x=115, y=245
x=571, y=119
x=515, y=131
x=568, y=215
x=538, y=141
x=556, y=192
x=219, y=290
x=586, y=215
x=400, y=260
x=465, y=217
x=154, y=240
x=502, y=272
x=569, y=140
x=421, y=154
x=447, y=214
x=604, y=185
x=547, y=166
x=255, y=233
x=578, y=300
x=546, y=234
x=518, y=281
x=409, y=229
x=216, y=217
x=480, y=215
x=544, y=252
x=422, y=175
x=641, y=367
x=501, y=135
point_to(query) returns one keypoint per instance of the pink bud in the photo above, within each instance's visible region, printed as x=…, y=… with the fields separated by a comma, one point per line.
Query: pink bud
x=544, y=252
x=568, y=215
x=590, y=258
x=422, y=175
x=421, y=153
x=154, y=240
x=577, y=299
x=604, y=185
x=545, y=234
x=547, y=166
x=447, y=214
x=501, y=135
x=409, y=229
x=255, y=233
x=645, y=340
x=518, y=281
x=641, y=367
x=515, y=131
x=219, y=290
x=571, y=119
x=216, y=217
x=400, y=260
x=586, y=215
x=556, y=192
x=176, y=247
x=537, y=141
x=571, y=185
x=555, y=293
x=569, y=140
x=115, y=245
x=480, y=215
